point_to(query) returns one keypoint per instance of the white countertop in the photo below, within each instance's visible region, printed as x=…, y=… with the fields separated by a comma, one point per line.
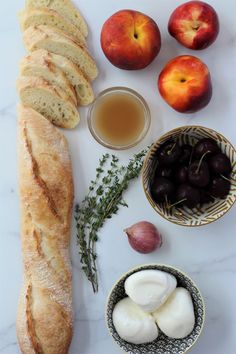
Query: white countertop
x=208, y=253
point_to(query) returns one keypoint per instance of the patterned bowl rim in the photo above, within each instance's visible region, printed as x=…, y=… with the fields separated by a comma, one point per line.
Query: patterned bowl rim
x=136, y=269
x=153, y=146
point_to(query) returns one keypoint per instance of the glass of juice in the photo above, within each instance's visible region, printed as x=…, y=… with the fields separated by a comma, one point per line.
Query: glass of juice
x=119, y=118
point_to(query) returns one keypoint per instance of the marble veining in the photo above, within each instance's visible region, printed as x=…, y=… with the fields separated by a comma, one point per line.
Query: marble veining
x=208, y=254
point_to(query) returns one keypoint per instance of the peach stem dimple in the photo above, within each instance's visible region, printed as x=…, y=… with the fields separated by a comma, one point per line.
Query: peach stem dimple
x=196, y=26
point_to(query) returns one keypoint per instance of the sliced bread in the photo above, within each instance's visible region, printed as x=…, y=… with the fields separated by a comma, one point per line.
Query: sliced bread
x=44, y=16
x=74, y=75
x=49, y=72
x=57, y=42
x=48, y=100
x=65, y=8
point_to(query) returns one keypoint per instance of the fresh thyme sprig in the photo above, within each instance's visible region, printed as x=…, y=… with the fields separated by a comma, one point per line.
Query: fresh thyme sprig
x=103, y=200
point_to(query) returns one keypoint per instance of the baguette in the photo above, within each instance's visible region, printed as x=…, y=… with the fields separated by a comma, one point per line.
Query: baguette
x=51, y=102
x=44, y=318
x=44, y=16
x=82, y=87
x=65, y=8
x=57, y=42
x=49, y=72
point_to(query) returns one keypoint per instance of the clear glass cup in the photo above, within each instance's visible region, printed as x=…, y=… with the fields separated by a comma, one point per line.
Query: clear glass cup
x=92, y=113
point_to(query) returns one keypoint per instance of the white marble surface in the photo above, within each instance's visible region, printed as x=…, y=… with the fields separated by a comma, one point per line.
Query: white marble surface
x=208, y=254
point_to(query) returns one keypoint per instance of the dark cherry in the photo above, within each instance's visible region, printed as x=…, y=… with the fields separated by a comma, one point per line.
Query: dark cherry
x=169, y=153
x=164, y=171
x=198, y=174
x=162, y=189
x=181, y=174
x=204, y=145
x=205, y=197
x=186, y=152
x=189, y=195
x=220, y=163
x=219, y=187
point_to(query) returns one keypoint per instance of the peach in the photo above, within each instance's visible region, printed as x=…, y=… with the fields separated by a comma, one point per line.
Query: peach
x=185, y=84
x=130, y=40
x=194, y=24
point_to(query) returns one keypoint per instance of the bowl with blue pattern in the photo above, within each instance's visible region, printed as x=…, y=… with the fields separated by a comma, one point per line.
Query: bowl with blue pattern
x=163, y=344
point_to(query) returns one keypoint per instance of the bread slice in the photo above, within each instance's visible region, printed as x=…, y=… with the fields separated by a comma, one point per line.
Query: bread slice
x=57, y=42
x=51, y=102
x=49, y=72
x=65, y=8
x=44, y=16
x=82, y=87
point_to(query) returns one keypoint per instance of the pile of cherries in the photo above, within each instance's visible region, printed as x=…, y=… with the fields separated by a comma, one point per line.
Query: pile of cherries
x=190, y=175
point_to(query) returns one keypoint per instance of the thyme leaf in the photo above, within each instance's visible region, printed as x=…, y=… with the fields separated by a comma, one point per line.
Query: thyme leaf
x=104, y=198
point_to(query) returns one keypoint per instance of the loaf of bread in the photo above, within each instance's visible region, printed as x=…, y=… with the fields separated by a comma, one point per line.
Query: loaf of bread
x=57, y=42
x=44, y=319
x=49, y=72
x=43, y=59
x=65, y=8
x=44, y=16
x=48, y=100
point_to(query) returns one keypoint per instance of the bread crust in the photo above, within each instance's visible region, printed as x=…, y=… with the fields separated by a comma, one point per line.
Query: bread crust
x=25, y=84
x=49, y=72
x=74, y=75
x=36, y=82
x=42, y=37
x=40, y=16
x=65, y=8
x=44, y=319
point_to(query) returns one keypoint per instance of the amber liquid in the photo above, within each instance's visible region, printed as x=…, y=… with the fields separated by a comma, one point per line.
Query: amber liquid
x=119, y=119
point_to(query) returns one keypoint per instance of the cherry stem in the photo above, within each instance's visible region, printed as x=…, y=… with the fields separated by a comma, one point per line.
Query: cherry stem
x=227, y=179
x=200, y=162
x=166, y=200
x=172, y=205
x=191, y=157
x=170, y=151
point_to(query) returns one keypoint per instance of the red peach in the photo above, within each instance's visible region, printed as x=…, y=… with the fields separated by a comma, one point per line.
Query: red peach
x=130, y=40
x=185, y=84
x=194, y=24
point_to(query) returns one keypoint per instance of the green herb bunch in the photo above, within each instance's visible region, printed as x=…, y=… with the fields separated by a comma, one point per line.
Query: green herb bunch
x=103, y=200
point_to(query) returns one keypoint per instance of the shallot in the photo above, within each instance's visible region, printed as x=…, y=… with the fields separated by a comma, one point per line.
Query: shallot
x=144, y=237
